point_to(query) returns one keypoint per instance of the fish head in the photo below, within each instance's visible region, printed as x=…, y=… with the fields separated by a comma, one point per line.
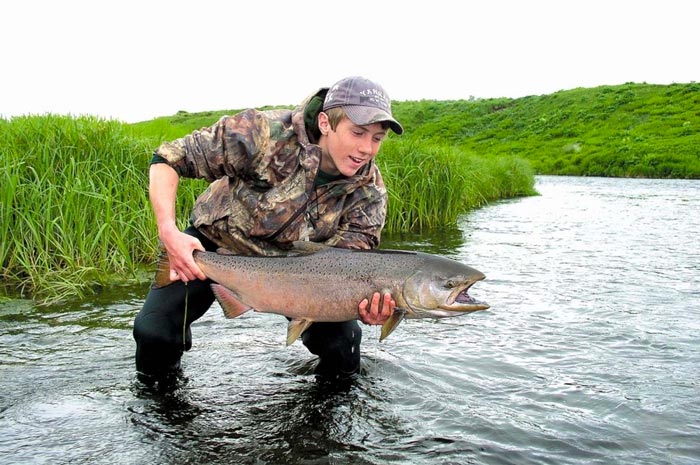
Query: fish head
x=439, y=288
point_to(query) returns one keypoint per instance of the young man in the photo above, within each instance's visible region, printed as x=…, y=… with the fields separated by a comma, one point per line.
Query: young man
x=276, y=177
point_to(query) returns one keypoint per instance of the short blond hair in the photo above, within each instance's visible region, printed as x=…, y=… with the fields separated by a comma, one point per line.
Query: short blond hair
x=336, y=115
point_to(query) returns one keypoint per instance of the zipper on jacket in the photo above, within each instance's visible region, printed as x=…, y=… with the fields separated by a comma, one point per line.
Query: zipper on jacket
x=302, y=209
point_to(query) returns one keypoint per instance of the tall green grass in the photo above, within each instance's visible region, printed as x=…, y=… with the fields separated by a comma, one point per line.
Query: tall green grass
x=72, y=204
x=76, y=216
x=74, y=207
x=430, y=186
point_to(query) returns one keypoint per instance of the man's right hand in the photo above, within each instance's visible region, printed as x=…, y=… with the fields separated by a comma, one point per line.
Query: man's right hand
x=162, y=191
x=180, y=247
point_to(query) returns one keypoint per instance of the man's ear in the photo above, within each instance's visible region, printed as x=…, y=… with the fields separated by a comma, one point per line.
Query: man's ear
x=323, y=124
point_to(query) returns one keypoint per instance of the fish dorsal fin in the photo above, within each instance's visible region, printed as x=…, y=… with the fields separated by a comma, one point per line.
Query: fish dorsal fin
x=295, y=328
x=307, y=248
x=230, y=304
x=222, y=251
x=391, y=324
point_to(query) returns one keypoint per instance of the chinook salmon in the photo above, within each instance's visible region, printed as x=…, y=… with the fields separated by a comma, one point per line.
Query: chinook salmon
x=320, y=283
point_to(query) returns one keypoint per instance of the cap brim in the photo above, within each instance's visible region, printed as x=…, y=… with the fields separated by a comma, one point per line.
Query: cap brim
x=363, y=116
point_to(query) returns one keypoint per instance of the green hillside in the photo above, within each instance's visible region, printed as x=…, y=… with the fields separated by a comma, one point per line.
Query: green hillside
x=630, y=130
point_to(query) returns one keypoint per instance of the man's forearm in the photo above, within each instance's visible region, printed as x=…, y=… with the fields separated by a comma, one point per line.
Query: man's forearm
x=162, y=190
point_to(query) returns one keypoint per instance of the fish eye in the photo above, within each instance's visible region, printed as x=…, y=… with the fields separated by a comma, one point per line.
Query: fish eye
x=450, y=284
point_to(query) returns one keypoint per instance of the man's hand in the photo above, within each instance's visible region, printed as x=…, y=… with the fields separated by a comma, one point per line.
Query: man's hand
x=180, y=247
x=374, y=315
x=162, y=190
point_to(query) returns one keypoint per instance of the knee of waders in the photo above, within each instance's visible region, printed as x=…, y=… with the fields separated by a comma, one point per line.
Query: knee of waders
x=161, y=335
x=332, y=337
x=337, y=346
x=157, y=356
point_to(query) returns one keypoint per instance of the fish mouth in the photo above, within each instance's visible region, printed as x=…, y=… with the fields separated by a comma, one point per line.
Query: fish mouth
x=460, y=300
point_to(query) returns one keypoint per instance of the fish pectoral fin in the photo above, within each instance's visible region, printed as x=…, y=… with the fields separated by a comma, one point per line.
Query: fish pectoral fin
x=391, y=324
x=295, y=328
x=230, y=304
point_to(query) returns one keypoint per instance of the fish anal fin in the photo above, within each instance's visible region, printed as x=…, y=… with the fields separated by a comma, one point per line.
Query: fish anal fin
x=231, y=306
x=391, y=324
x=295, y=328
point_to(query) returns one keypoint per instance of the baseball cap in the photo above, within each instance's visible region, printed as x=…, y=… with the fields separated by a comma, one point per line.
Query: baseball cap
x=364, y=102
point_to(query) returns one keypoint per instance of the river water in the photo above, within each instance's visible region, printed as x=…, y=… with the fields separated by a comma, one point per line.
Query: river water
x=590, y=354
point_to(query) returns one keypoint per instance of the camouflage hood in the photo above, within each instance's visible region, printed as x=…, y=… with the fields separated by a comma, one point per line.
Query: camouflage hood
x=262, y=166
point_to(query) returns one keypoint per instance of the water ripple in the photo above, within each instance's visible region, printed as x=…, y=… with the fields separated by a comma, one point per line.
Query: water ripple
x=588, y=355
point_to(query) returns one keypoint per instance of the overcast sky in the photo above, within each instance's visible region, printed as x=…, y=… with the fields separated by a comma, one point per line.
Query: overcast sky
x=136, y=60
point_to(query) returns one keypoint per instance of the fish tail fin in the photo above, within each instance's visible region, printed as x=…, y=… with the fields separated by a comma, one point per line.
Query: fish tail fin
x=231, y=306
x=391, y=324
x=162, y=278
x=295, y=328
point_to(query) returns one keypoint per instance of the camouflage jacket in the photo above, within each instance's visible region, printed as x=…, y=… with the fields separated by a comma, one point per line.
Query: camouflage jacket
x=262, y=166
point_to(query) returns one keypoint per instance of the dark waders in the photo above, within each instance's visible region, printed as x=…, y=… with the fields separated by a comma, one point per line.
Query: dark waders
x=161, y=337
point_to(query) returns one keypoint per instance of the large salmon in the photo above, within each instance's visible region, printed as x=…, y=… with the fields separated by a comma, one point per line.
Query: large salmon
x=320, y=283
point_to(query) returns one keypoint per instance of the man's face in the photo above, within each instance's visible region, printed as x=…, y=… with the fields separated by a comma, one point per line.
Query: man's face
x=349, y=147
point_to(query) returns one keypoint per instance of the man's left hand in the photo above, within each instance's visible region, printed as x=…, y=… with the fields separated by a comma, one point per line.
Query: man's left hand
x=378, y=311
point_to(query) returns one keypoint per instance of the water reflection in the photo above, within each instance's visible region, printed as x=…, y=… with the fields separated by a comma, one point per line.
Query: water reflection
x=441, y=242
x=285, y=420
